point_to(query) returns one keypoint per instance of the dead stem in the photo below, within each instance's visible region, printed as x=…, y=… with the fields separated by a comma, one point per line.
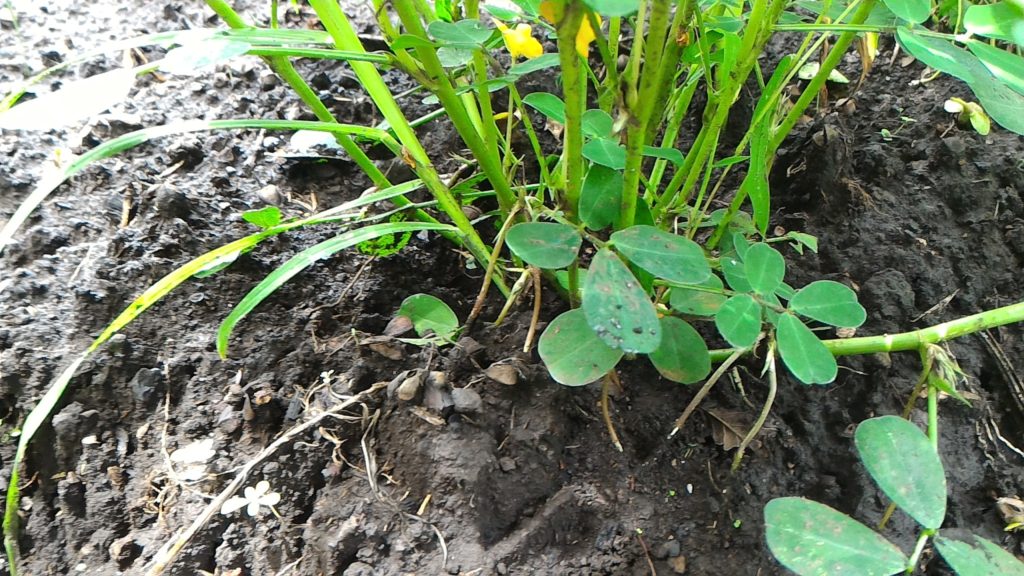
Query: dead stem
x=491, y=265
x=605, y=412
x=773, y=384
x=706, y=388
x=535, y=319
x=170, y=550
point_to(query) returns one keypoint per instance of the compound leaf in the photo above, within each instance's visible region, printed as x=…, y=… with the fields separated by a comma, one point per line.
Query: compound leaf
x=980, y=558
x=811, y=538
x=682, y=355
x=829, y=302
x=903, y=463
x=544, y=244
x=805, y=356
x=739, y=320
x=573, y=353
x=764, y=268
x=666, y=255
x=617, y=308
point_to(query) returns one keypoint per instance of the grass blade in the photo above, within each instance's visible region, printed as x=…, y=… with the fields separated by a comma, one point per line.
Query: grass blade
x=133, y=139
x=303, y=260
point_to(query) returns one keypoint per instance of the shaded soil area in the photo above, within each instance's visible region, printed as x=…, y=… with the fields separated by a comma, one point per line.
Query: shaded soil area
x=470, y=476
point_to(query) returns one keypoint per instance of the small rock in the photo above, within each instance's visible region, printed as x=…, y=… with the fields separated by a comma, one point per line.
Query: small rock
x=467, y=400
x=667, y=549
x=268, y=81
x=409, y=387
x=269, y=195
x=145, y=384
x=358, y=569
x=678, y=564
x=955, y=145
x=502, y=373
x=501, y=568
x=172, y=203
x=506, y=464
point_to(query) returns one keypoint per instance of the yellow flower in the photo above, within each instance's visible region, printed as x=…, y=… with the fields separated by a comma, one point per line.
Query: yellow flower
x=552, y=11
x=520, y=40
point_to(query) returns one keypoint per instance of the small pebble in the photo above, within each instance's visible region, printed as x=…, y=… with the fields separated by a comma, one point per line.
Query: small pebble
x=467, y=400
x=172, y=203
x=506, y=464
x=268, y=81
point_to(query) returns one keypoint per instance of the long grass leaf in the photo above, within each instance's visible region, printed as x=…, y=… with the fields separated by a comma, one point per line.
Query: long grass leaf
x=307, y=257
x=49, y=183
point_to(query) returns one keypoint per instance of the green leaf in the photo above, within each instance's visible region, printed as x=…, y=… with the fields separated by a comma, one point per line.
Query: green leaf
x=443, y=9
x=939, y=54
x=546, y=245
x=980, y=558
x=606, y=152
x=617, y=307
x=529, y=65
x=530, y=7
x=813, y=539
x=573, y=353
x=673, y=155
x=1001, y=102
x=74, y=101
x=682, y=355
x=903, y=463
x=464, y=33
x=726, y=162
x=612, y=8
x=600, y=197
x=764, y=267
x=454, y=56
x=804, y=239
x=698, y=302
x=306, y=258
x=597, y=123
x=430, y=315
x=196, y=57
x=805, y=356
x=666, y=255
x=829, y=302
x=409, y=41
x=785, y=291
x=915, y=11
x=547, y=104
x=735, y=273
x=217, y=265
x=739, y=320
x=1001, y=20
x=267, y=217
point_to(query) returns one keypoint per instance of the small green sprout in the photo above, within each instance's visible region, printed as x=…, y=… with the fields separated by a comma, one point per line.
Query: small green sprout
x=969, y=112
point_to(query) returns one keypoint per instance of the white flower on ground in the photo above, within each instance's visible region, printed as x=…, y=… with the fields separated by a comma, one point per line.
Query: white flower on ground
x=255, y=498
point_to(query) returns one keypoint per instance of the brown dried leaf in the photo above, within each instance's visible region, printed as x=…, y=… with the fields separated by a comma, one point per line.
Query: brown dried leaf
x=1011, y=509
x=729, y=427
x=398, y=325
x=426, y=415
x=503, y=374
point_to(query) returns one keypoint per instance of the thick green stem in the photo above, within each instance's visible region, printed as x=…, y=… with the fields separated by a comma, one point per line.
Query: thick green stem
x=575, y=95
x=283, y=67
x=916, y=338
x=641, y=109
x=489, y=160
x=814, y=86
x=345, y=37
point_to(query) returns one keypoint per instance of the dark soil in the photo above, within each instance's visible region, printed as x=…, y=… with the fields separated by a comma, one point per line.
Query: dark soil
x=927, y=225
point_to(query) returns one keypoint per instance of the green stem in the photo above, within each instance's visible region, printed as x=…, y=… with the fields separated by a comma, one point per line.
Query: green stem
x=345, y=37
x=283, y=67
x=489, y=161
x=641, y=109
x=575, y=95
x=914, y=339
x=922, y=539
x=814, y=86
